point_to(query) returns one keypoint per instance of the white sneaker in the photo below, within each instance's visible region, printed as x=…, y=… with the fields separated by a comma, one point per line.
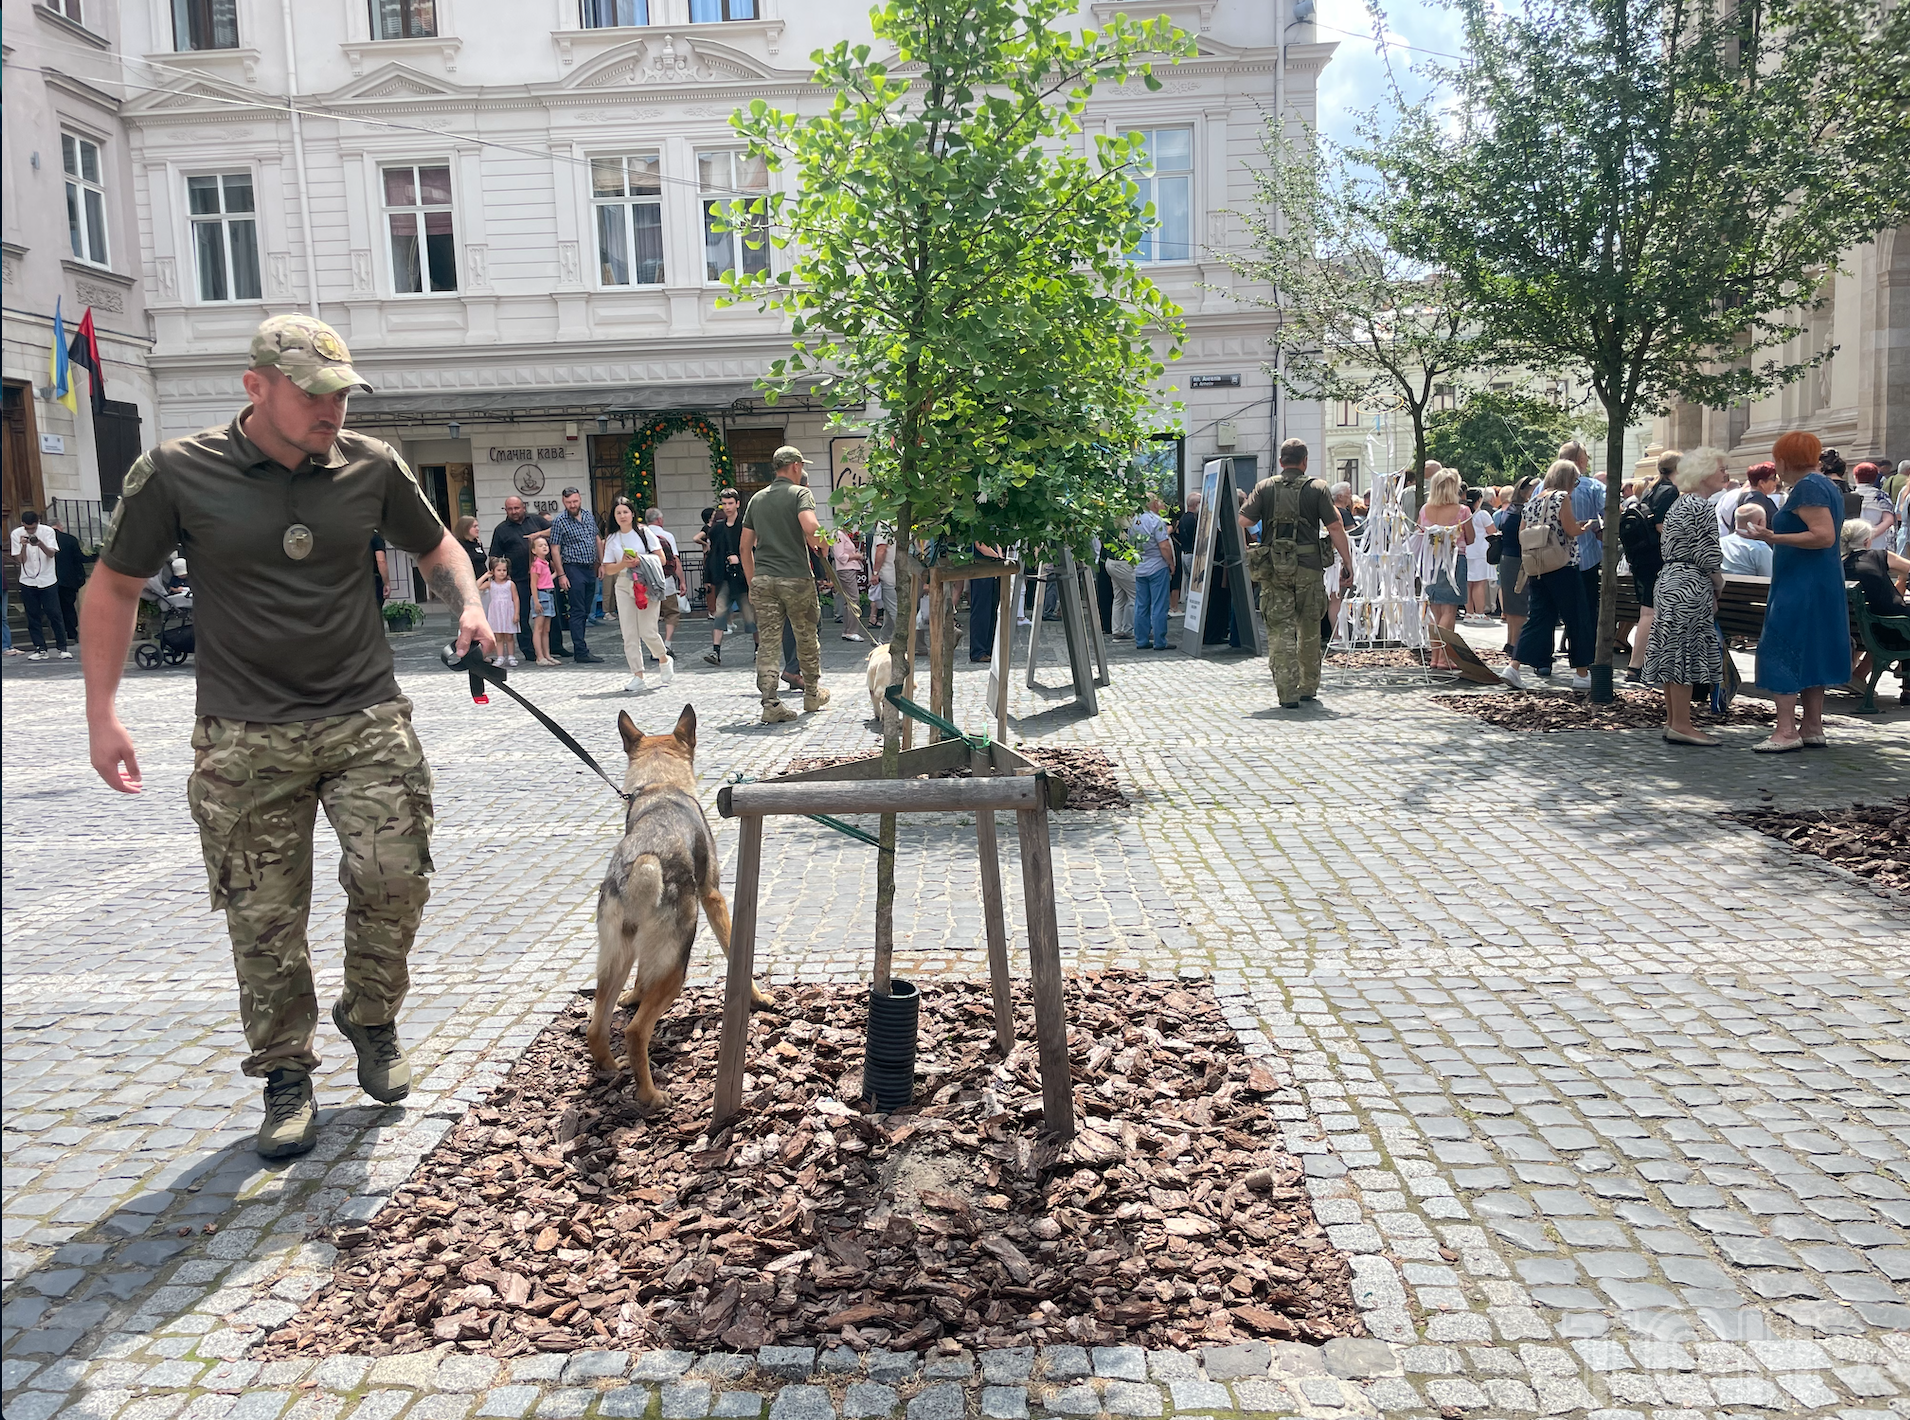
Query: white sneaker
x=636, y=685
x=1513, y=676
x=66, y=655
x=1581, y=682
x=510, y=660
x=38, y=655
x=669, y=671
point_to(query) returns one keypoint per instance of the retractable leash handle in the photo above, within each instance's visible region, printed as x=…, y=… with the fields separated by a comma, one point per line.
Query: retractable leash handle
x=479, y=669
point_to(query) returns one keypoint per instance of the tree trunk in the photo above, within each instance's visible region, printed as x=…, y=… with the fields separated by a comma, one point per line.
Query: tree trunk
x=1605, y=618
x=902, y=631
x=1419, y=456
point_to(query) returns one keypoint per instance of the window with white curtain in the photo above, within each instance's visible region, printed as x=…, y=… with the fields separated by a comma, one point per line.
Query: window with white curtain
x=1166, y=180
x=728, y=176
x=423, y=244
x=627, y=192
x=225, y=236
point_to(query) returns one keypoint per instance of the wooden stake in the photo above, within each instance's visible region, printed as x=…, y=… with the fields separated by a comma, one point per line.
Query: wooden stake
x=992, y=915
x=915, y=601
x=1004, y=640
x=937, y=638
x=733, y=1047
x=1044, y=969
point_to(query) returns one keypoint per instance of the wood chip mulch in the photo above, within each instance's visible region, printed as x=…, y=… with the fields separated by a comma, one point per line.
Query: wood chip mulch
x=1088, y=773
x=1397, y=660
x=1870, y=840
x=1630, y=710
x=558, y=1216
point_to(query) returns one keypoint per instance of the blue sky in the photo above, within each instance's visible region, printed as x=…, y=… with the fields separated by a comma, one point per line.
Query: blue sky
x=1357, y=77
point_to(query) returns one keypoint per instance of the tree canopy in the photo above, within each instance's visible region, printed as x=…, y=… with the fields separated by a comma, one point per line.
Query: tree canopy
x=958, y=263
x=1501, y=436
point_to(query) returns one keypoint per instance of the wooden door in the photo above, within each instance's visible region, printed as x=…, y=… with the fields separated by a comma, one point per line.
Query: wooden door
x=21, y=485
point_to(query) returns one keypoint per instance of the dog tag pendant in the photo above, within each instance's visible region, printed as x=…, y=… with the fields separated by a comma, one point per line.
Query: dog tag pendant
x=298, y=542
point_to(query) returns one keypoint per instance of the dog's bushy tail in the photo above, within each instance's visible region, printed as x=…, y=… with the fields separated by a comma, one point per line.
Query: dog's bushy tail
x=646, y=880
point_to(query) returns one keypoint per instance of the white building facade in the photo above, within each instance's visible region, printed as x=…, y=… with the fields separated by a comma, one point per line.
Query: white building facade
x=502, y=205
x=69, y=239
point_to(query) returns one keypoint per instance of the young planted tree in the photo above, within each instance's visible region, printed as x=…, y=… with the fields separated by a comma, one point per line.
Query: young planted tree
x=1652, y=190
x=960, y=264
x=1360, y=321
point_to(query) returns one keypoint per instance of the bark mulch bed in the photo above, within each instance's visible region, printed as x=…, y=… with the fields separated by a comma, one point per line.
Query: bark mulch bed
x=1870, y=840
x=1397, y=659
x=1629, y=710
x=558, y=1216
x=1088, y=773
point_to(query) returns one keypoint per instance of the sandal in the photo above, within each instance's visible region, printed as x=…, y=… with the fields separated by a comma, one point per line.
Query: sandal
x=1776, y=746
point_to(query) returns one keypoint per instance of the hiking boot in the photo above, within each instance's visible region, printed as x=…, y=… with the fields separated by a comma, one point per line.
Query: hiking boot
x=815, y=699
x=383, y=1071
x=291, y=1120
x=777, y=713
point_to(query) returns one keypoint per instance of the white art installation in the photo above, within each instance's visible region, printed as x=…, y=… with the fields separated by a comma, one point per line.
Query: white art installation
x=1392, y=559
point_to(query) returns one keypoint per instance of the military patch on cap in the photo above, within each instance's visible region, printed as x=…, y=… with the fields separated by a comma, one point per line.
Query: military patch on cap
x=307, y=352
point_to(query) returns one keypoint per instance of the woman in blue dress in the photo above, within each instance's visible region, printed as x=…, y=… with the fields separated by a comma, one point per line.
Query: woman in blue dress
x=1805, y=645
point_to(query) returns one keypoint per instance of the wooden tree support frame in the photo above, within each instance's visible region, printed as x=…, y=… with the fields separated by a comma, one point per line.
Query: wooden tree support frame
x=1003, y=781
x=942, y=580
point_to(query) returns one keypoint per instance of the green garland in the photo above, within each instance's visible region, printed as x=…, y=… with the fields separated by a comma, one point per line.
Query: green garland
x=640, y=477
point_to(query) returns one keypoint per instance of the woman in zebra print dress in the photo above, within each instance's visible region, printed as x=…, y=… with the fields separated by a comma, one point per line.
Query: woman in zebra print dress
x=1684, y=650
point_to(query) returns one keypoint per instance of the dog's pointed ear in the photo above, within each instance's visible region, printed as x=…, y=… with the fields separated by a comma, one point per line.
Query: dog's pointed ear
x=686, y=728
x=626, y=727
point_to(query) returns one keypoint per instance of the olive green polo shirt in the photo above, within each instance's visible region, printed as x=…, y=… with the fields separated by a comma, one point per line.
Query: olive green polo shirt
x=278, y=638
x=775, y=514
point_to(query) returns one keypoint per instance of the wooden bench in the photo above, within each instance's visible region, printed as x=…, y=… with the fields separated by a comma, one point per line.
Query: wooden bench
x=1887, y=638
x=1740, y=606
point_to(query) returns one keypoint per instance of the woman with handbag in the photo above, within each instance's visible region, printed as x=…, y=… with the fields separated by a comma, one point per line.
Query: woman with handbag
x=633, y=564
x=1555, y=592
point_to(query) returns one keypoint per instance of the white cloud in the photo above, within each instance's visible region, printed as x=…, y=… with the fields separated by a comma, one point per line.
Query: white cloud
x=1361, y=76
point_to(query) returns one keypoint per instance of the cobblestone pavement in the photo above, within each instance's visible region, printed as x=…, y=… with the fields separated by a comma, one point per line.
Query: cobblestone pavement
x=1604, y=1096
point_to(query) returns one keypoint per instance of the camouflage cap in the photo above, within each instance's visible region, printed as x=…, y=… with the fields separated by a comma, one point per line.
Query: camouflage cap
x=786, y=455
x=308, y=353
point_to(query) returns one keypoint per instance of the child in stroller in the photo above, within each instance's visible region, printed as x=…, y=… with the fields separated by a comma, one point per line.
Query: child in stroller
x=167, y=619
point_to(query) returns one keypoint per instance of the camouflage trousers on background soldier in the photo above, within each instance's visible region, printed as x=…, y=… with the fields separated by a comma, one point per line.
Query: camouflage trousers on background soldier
x=1292, y=601
x=791, y=599
x=255, y=792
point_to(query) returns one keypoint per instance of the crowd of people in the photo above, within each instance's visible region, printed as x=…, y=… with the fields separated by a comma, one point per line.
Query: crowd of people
x=1803, y=521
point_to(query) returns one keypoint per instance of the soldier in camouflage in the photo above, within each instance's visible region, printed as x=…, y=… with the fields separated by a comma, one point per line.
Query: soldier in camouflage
x=298, y=705
x=1294, y=512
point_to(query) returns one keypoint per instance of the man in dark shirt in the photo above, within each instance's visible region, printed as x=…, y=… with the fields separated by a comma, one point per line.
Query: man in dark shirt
x=298, y=704
x=723, y=567
x=70, y=563
x=511, y=540
x=1186, y=529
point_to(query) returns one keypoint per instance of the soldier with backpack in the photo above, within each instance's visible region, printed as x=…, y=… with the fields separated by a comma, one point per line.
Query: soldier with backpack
x=1293, y=511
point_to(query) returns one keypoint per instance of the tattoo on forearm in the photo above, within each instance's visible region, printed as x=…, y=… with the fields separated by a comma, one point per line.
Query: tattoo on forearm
x=447, y=588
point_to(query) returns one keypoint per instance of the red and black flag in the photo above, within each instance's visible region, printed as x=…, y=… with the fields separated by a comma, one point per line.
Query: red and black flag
x=85, y=351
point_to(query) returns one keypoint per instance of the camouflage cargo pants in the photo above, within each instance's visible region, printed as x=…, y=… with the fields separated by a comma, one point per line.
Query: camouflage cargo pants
x=1292, y=601
x=255, y=792
x=791, y=599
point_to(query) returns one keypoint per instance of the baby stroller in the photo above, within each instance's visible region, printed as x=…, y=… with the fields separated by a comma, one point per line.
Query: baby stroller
x=166, y=619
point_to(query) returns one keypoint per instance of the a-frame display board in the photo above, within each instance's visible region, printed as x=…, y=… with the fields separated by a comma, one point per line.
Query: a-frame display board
x=1220, y=545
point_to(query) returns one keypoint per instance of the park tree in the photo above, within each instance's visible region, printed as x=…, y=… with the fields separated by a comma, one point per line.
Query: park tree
x=1500, y=436
x=1653, y=190
x=960, y=262
x=1358, y=320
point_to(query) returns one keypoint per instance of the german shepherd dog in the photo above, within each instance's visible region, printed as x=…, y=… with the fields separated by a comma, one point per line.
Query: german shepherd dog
x=646, y=910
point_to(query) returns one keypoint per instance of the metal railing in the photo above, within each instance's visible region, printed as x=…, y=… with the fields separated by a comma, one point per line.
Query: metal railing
x=83, y=517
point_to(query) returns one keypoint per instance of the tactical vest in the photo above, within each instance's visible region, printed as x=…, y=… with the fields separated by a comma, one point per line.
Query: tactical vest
x=1291, y=538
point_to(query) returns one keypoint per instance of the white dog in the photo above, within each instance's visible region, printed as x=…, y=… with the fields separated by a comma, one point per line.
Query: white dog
x=879, y=705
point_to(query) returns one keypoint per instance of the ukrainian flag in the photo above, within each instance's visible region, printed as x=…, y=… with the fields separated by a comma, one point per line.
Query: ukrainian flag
x=59, y=370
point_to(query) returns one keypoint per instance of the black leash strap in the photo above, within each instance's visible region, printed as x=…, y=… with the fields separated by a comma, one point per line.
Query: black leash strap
x=481, y=670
